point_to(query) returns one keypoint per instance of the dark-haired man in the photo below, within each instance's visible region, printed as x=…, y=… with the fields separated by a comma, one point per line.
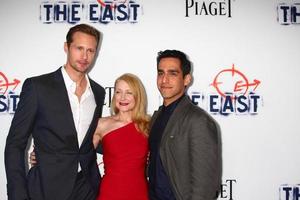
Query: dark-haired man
x=60, y=110
x=184, y=139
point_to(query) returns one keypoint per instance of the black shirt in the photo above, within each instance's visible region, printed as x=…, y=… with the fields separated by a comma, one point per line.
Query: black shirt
x=160, y=187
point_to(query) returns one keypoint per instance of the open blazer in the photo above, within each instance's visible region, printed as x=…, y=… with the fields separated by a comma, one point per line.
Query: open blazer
x=190, y=152
x=44, y=112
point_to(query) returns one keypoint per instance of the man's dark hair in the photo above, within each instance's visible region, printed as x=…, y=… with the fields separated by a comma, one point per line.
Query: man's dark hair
x=185, y=63
x=84, y=28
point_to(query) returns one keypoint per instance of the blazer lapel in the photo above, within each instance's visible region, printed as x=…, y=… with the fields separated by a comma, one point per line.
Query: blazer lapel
x=65, y=104
x=176, y=115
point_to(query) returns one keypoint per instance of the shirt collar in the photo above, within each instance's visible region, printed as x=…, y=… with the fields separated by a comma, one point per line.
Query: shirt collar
x=171, y=107
x=71, y=84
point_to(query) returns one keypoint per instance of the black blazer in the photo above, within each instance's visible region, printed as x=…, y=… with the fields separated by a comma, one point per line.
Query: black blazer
x=45, y=113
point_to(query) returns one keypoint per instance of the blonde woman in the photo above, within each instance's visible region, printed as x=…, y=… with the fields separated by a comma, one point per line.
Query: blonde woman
x=124, y=139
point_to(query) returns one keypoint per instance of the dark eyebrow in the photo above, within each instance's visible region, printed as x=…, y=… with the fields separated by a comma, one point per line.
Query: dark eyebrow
x=160, y=70
x=169, y=70
x=173, y=70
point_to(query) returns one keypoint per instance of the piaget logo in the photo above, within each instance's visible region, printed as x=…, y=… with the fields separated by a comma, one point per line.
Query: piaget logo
x=208, y=8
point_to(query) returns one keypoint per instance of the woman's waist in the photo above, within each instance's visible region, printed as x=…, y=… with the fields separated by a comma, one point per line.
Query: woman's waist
x=125, y=165
x=125, y=172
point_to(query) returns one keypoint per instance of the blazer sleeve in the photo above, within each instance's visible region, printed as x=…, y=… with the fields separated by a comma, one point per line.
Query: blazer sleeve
x=100, y=103
x=205, y=163
x=16, y=142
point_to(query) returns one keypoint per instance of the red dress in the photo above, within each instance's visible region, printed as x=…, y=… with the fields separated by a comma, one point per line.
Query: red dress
x=124, y=155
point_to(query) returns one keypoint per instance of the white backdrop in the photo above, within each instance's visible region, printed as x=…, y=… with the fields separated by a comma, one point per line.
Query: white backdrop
x=260, y=149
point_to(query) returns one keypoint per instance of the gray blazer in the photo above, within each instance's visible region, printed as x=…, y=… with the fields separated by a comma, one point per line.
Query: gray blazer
x=190, y=151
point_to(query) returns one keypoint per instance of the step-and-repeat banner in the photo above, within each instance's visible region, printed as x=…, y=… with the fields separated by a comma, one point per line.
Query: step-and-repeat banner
x=246, y=72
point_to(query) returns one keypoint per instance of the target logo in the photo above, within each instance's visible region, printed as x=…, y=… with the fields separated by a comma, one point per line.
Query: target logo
x=8, y=97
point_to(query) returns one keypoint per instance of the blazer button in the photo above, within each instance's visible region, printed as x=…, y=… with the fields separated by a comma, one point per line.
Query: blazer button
x=171, y=136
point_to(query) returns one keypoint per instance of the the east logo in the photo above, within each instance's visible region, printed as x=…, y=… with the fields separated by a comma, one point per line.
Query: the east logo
x=234, y=93
x=8, y=98
x=289, y=192
x=95, y=11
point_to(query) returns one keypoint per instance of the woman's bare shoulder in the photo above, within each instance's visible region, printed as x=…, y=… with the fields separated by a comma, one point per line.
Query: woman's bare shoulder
x=107, y=124
x=104, y=120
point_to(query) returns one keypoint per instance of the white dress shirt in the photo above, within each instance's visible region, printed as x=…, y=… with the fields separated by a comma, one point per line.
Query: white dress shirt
x=82, y=110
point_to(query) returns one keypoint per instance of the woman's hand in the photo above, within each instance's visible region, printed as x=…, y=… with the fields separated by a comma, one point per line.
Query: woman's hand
x=32, y=158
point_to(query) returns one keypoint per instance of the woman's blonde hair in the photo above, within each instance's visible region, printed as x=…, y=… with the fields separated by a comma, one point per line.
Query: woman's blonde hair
x=139, y=113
